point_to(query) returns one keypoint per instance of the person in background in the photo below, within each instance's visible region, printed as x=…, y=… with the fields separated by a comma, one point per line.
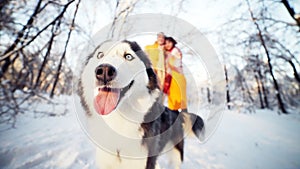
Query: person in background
x=177, y=99
x=157, y=58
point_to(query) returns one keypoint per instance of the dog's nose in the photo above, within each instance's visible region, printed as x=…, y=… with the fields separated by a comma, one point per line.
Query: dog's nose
x=105, y=73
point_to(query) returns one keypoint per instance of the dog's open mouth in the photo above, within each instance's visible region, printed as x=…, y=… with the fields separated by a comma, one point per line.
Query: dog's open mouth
x=108, y=98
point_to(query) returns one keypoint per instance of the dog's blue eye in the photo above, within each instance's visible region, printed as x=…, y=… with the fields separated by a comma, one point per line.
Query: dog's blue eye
x=128, y=57
x=100, y=55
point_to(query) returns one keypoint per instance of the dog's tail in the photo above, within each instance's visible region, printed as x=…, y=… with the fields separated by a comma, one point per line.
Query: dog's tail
x=194, y=124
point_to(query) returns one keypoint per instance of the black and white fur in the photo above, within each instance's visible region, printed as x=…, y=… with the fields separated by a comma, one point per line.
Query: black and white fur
x=157, y=127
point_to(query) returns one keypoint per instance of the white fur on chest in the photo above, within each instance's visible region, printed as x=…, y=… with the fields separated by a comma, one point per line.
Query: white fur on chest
x=124, y=153
x=123, y=147
x=118, y=122
x=105, y=160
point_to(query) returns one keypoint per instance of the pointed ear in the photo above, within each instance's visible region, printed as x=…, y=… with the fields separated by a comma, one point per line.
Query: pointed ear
x=153, y=83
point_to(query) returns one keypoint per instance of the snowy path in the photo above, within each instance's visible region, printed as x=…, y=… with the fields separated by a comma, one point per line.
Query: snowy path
x=242, y=141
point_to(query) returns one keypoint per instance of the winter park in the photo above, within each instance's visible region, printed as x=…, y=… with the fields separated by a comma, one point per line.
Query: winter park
x=150, y=84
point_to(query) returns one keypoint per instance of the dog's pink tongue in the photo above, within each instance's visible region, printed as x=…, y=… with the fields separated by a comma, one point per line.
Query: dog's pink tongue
x=106, y=101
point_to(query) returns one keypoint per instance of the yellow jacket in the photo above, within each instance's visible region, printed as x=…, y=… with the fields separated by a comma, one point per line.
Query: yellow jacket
x=157, y=58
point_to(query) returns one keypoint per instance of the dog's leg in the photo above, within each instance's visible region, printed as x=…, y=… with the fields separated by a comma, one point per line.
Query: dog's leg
x=151, y=162
x=174, y=158
x=179, y=147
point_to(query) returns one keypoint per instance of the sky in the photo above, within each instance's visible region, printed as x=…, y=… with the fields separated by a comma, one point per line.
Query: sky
x=96, y=15
x=202, y=14
x=206, y=15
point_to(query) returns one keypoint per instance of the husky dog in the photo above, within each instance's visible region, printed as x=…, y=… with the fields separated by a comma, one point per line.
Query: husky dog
x=119, y=91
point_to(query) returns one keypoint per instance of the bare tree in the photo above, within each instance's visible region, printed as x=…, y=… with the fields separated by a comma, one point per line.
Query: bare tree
x=65, y=50
x=276, y=85
x=264, y=54
x=35, y=40
x=31, y=33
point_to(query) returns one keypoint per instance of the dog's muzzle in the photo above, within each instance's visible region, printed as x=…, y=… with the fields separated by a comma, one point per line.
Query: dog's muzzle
x=108, y=96
x=105, y=73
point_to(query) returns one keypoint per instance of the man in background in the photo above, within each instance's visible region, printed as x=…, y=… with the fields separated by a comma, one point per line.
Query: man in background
x=157, y=58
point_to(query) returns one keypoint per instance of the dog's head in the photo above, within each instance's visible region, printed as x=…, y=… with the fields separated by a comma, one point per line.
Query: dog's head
x=118, y=76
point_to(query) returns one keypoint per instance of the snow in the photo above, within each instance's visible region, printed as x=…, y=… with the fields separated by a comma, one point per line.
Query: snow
x=259, y=140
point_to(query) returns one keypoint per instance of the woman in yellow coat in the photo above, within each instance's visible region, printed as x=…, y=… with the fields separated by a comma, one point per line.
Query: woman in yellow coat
x=177, y=99
x=156, y=56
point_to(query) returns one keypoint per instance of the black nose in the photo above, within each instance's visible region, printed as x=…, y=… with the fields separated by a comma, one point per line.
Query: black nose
x=105, y=73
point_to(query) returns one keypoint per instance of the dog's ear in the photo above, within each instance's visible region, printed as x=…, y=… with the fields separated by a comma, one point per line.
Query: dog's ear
x=153, y=83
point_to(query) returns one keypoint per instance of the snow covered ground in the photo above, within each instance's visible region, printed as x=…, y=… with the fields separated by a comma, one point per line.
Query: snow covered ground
x=262, y=140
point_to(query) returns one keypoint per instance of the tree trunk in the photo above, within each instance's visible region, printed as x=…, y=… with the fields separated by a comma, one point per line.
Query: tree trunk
x=262, y=84
x=296, y=74
x=208, y=95
x=227, y=87
x=259, y=93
